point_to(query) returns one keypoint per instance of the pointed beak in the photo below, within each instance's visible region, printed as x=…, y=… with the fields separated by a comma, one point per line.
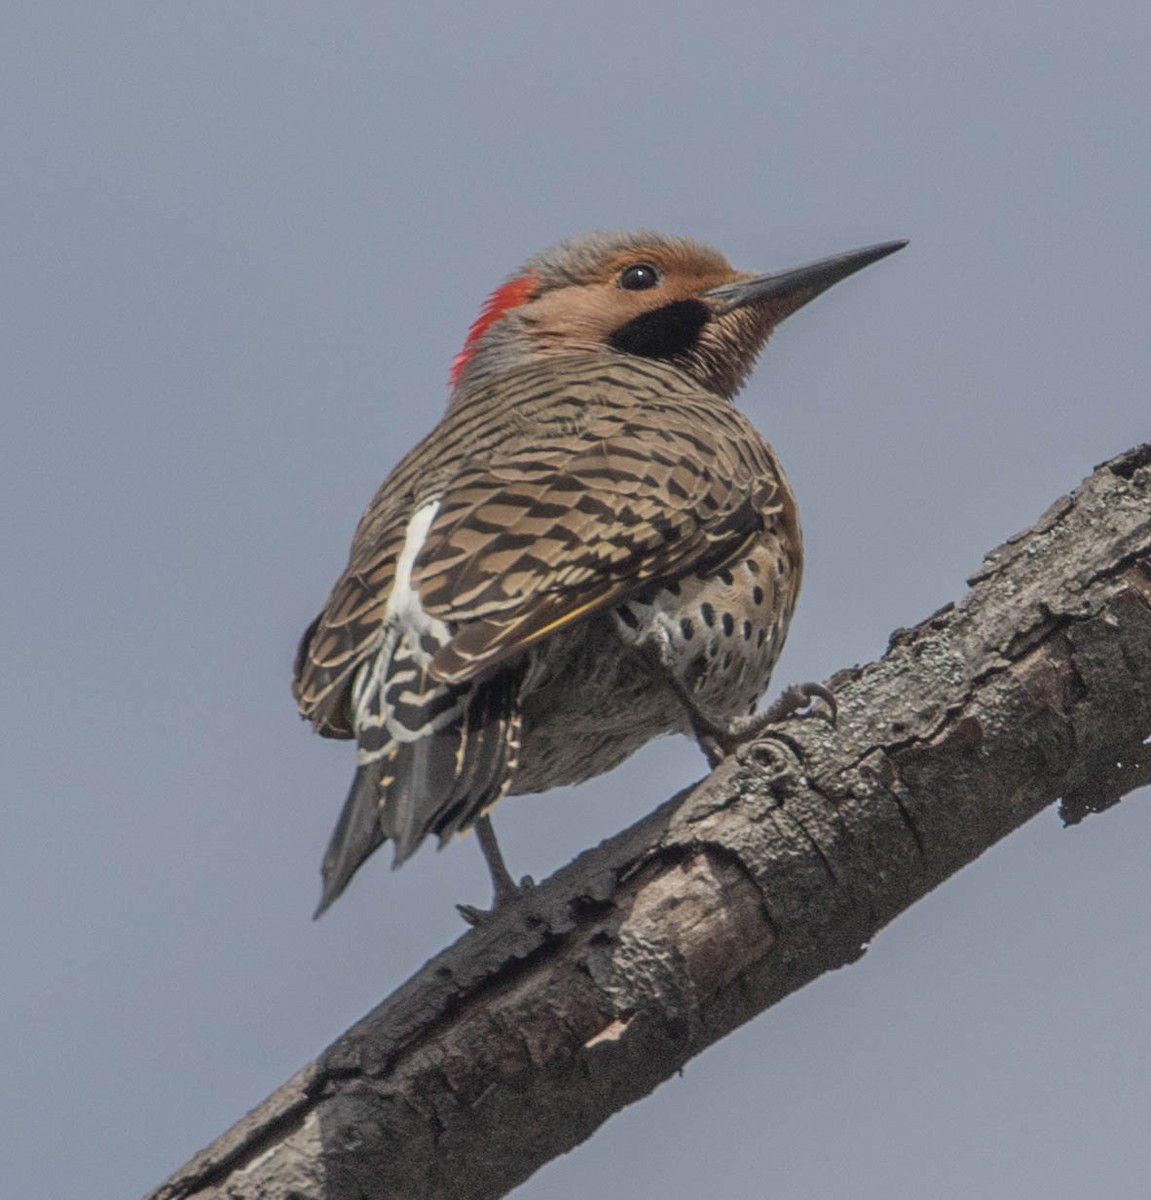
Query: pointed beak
x=787, y=291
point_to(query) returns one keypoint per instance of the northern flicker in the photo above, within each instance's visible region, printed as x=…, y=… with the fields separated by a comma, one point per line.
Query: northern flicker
x=591, y=548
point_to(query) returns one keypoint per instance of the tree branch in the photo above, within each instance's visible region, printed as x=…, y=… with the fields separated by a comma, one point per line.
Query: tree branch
x=517, y=1042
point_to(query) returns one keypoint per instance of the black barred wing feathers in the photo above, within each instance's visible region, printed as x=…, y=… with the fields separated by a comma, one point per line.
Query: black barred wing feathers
x=566, y=486
x=546, y=536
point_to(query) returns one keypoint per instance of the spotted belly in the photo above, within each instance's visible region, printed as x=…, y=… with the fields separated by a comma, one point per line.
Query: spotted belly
x=720, y=635
x=596, y=694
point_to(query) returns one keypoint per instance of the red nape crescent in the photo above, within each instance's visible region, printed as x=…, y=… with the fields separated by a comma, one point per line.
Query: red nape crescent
x=507, y=296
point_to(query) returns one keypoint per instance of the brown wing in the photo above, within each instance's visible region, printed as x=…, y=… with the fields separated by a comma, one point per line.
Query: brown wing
x=565, y=486
x=548, y=535
x=349, y=627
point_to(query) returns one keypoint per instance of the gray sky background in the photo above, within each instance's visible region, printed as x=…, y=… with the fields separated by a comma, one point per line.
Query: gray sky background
x=242, y=243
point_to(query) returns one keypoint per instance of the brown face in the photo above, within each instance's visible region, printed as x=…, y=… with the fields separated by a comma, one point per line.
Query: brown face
x=627, y=293
x=666, y=299
x=651, y=301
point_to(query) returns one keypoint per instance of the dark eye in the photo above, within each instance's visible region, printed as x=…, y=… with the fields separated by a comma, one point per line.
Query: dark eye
x=639, y=278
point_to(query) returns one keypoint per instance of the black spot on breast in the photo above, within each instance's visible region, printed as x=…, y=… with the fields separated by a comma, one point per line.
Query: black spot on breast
x=662, y=332
x=757, y=594
x=707, y=611
x=728, y=624
x=628, y=618
x=727, y=577
x=746, y=630
x=687, y=628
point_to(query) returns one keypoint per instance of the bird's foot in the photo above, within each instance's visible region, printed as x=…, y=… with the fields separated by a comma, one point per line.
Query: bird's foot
x=797, y=697
x=504, y=896
x=504, y=887
x=719, y=740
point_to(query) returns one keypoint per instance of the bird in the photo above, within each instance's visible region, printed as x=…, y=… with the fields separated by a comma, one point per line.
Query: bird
x=592, y=547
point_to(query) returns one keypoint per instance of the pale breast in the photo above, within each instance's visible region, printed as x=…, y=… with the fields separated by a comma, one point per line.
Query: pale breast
x=600, y=691
x=722, y=633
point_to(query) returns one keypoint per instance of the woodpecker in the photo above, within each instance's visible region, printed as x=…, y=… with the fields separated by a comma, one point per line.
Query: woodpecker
x=591, y=548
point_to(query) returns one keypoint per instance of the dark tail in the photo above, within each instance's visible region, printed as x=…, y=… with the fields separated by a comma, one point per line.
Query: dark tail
x=439, y=783
x=356, y=835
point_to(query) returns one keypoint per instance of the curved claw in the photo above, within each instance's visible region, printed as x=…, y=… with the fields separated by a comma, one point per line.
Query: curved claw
x=477, y=916
x=473, y=915
x=797, y=697
x=718, y=741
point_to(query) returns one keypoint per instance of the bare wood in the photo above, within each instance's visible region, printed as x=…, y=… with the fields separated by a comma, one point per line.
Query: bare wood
x=517, y=1042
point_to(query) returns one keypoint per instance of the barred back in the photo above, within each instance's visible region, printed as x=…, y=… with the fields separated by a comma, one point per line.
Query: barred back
x=566, y=486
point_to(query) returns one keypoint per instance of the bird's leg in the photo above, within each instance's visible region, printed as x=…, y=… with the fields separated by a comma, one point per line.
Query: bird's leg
x=504, y=888
x=719, y=739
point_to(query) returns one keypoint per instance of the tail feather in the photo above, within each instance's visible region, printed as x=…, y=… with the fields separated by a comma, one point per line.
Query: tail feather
x=447, y=780
x=356, y=835
x=439, y=783
x=491, y=732
x=425, y=772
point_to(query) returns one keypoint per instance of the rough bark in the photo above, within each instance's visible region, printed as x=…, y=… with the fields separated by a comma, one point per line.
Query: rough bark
x=517, y=1042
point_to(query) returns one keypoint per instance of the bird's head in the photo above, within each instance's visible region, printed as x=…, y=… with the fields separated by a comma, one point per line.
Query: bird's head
x=646, y=295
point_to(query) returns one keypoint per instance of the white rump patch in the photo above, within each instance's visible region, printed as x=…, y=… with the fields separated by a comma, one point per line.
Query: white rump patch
x=404, y=610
